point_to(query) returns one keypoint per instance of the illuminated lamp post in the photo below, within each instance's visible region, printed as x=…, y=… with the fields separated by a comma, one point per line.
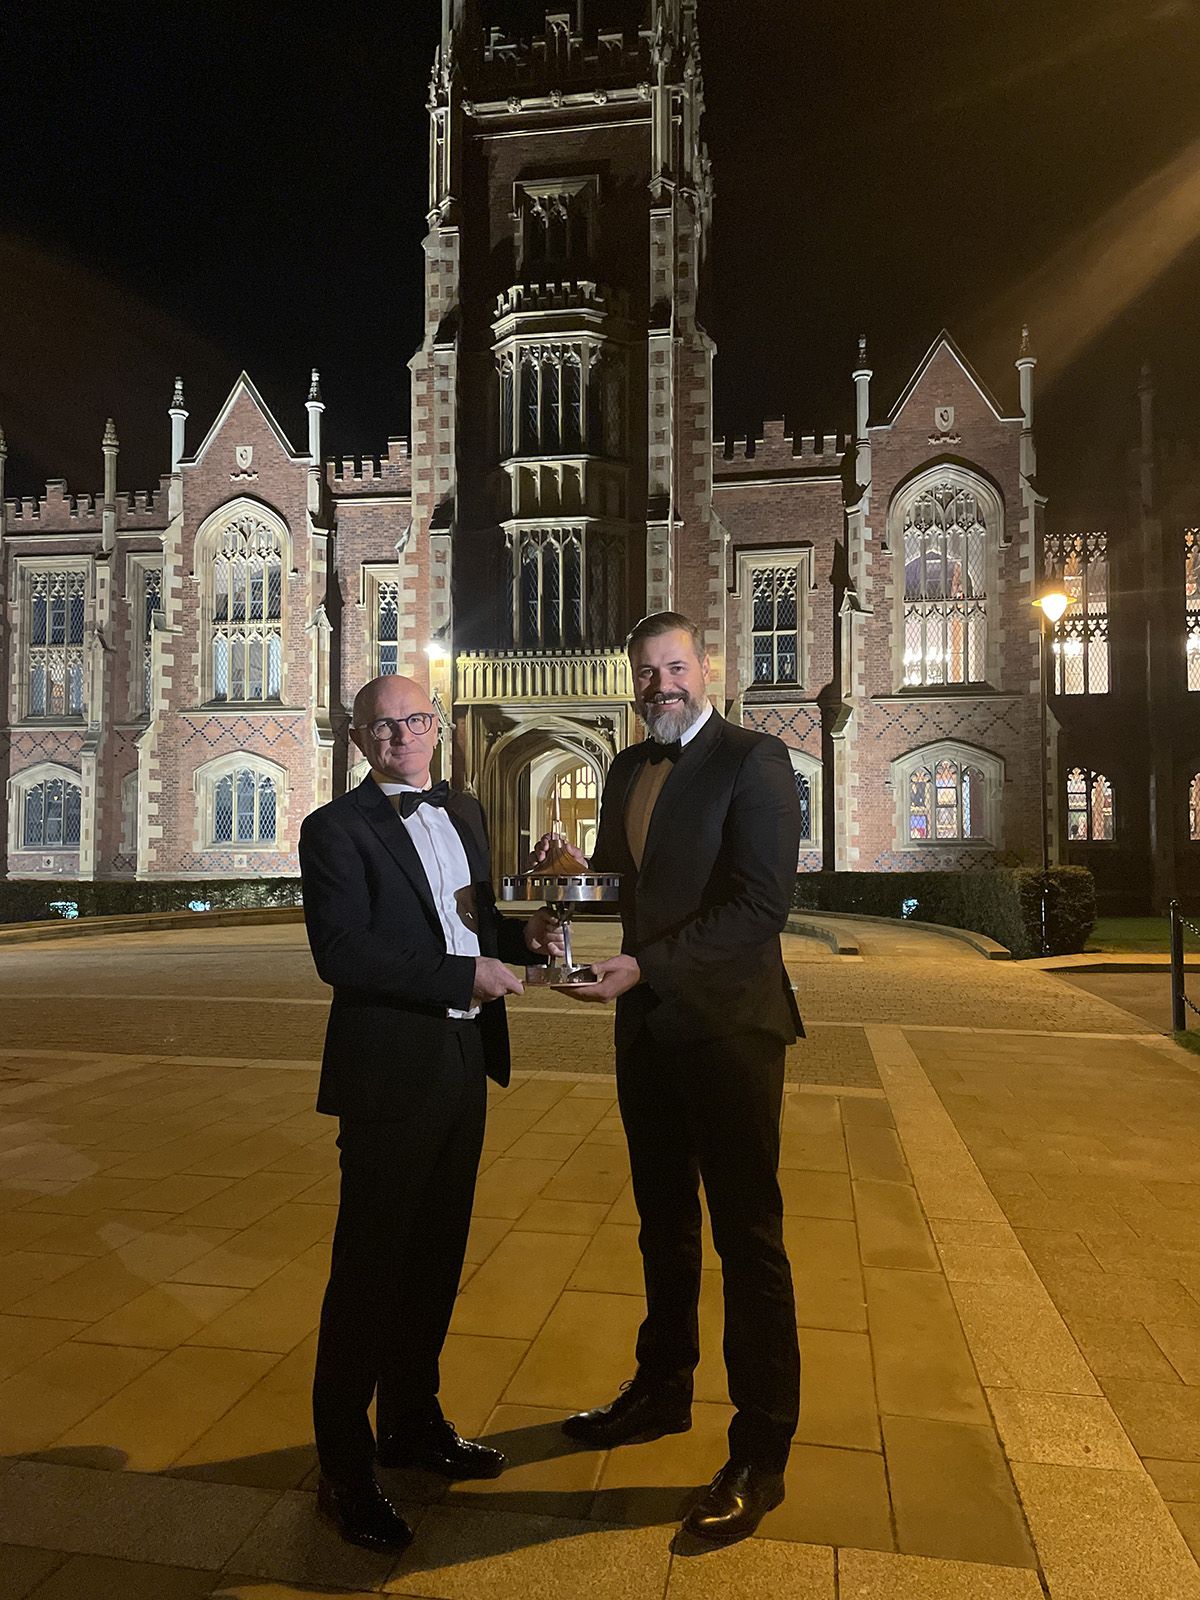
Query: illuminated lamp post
x=1052, y=605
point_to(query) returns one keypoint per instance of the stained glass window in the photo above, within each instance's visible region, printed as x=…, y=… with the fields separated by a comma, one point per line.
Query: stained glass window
x=244, y=804
x=1191, y=592
x=57, y=608
x=775, y=625
x=1080, y=661
x=1090, y=811
x=247, y=591
x=51, y=816
x=945, y=587
x=954, y=793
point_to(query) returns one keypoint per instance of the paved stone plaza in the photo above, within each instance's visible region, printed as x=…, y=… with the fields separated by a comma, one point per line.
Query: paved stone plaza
x=992, y=1185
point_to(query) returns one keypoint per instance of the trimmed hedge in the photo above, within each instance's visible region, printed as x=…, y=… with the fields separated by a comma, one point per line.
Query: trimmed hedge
x=25, y=900
x=1004, y=903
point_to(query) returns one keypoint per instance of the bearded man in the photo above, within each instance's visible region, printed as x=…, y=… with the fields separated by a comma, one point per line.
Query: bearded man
x=702, y=821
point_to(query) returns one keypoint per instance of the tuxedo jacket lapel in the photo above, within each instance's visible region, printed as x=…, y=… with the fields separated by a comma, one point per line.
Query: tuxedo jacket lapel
x=680, y=785
x=392, y=833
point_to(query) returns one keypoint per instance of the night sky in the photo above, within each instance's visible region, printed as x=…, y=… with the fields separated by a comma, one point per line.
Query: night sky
x=205, y=187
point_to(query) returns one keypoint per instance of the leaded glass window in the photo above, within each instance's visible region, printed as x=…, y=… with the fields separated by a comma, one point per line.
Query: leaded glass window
x=244, y=808
x=775, y=625
x=568, y=589
x=946, y=803
x=548, y=407
x=57, y=609
x=51, y=815
x=1080, y=660
x=1090, y=812
x=151, y=603
x=945, y=587
x=387, y=619
x=247, y=614
x=1191, y=591
x=804, y=795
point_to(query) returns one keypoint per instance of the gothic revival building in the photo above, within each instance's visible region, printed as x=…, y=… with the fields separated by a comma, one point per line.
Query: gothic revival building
x=181, y=663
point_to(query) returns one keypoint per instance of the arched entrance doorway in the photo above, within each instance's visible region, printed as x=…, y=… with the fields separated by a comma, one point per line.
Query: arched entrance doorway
x=533, y=774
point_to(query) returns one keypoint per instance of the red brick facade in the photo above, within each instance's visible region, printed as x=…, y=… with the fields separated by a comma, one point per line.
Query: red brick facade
x=525, y=529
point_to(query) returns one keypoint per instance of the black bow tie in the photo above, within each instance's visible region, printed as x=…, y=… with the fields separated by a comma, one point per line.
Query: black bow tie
x=656, y=752
x=408, y=801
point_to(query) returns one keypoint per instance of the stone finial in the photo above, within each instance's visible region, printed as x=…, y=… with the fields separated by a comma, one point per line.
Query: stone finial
x=3, y=446
x=110, y=440
x=862, y=349
x=1145, y=378
x=314, y=388
x=1026, y=348
x=177, y=397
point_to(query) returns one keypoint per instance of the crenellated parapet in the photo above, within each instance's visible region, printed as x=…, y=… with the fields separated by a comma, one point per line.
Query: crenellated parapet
x=776, y=450
x=390, y=473
x=60, y=511
x=561, y=56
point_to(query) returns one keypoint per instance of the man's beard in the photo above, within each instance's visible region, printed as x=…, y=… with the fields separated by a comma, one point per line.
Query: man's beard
x=668, y=717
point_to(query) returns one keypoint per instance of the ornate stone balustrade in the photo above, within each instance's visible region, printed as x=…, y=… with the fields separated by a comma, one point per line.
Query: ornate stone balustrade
x=504, y=676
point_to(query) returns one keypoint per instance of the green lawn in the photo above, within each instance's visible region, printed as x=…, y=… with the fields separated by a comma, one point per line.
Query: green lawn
x=1129, y=935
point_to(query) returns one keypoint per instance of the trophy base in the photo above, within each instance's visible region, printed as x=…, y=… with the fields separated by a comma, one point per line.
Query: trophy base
x=560, y=977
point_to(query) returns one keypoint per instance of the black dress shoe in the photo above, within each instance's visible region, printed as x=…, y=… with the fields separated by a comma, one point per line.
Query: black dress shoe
x=437, y=1447
x=735, y=1502
x=363, y=1514
x=640, y=1412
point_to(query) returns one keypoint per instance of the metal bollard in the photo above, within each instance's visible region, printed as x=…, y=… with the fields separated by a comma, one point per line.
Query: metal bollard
x=1178, y=1016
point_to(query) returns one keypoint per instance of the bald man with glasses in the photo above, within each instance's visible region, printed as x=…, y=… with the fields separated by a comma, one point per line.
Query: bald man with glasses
x=404, y=928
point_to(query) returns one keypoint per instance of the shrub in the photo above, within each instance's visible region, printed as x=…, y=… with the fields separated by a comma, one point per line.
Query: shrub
x=1003, y=903
x=25, y=900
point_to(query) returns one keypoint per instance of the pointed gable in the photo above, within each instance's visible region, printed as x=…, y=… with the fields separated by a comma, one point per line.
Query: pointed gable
x=945, y=376
x=246, y=413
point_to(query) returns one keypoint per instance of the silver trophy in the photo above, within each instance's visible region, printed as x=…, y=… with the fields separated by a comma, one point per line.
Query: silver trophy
x=561, y=885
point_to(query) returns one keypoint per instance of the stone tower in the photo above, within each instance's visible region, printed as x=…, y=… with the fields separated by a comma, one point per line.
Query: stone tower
x=562, y=417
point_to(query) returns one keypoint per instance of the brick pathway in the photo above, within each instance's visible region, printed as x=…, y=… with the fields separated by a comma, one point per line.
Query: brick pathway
x=993, y=1214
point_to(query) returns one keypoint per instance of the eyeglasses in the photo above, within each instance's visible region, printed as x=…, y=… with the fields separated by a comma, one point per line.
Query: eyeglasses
x=389, y=727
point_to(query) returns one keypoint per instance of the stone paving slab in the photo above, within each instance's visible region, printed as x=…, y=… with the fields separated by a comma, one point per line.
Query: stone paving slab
x=995, y=1235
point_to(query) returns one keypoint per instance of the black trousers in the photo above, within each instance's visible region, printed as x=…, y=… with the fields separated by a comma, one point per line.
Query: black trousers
x=711, y=1112
x=405, y=1210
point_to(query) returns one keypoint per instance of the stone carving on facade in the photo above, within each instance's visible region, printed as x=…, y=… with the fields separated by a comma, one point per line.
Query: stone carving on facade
x=243, y=455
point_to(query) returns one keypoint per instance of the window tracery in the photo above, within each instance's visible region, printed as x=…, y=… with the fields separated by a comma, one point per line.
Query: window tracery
x=1090, y=806
x=246, y=577
x=57, y=607
x=1080, y=644
x=944, y=545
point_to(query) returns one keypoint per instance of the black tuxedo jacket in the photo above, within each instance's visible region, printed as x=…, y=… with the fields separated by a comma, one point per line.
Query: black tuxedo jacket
x=704, y=914
x=376, y=939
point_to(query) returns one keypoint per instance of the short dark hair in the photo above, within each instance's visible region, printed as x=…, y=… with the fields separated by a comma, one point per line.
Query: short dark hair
x=665, y=622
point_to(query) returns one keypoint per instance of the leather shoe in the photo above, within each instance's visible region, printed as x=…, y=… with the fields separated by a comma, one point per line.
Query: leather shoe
x=735, y=1502
x=640, y=1412
x=437, y=1447
x=363, y=1514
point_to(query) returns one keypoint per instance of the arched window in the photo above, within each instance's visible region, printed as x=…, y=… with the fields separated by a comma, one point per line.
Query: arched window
x=946, y=794
x=244, y=808
x=943, y=538
x=806, y=772
x=1194, y=807
x=1090, y=810
x=241, y=801
x=50, y=815
x=246, y=577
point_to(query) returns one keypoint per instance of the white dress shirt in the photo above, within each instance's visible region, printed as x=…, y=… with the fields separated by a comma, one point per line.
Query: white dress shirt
x=445, y=863
x=686, y=738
